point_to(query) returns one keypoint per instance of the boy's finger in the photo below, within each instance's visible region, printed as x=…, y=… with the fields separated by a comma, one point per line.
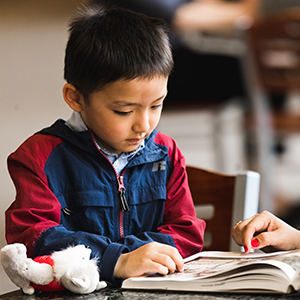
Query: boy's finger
x=161, y=269
x=177, y=258
x=166, y=261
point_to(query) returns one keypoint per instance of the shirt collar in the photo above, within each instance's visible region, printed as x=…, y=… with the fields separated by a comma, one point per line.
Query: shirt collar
x=127, y=155
x=76, y=123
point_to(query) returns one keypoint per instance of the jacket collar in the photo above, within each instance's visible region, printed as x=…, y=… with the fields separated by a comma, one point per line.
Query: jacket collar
x=84, y=140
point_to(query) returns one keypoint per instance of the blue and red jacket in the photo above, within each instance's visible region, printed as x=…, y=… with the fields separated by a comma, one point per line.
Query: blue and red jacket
x=68, y=193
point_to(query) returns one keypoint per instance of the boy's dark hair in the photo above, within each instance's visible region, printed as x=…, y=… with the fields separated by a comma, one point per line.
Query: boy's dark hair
x=110, y=44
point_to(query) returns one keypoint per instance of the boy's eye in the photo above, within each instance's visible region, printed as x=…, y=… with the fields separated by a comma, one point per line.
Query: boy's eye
x=122, y=113
x=157, y=106
x=126, y=113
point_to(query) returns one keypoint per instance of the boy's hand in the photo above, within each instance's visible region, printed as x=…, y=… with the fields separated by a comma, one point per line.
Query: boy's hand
x=153, y=257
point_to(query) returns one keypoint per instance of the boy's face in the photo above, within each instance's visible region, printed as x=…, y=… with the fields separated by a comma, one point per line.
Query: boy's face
x=124, y=113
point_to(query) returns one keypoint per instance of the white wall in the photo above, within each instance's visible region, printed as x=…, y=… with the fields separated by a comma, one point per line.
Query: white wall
x=33, y=34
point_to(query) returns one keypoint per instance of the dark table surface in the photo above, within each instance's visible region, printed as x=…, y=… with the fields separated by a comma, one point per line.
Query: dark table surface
x=118, y=294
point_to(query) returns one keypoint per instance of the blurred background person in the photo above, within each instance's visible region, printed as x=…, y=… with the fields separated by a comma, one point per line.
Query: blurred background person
x=198, y=76
x=201, y=75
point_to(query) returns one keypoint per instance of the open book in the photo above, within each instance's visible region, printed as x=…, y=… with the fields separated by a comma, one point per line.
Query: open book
x=229, y=272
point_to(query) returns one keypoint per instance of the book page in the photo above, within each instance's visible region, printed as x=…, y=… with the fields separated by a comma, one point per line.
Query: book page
x=207, y=265
x=228, y=271
x=225, y=254
x=291, y=258
x=220, y=262
x=204, y=267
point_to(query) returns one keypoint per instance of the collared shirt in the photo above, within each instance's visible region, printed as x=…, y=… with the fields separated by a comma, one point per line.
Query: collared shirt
x=119, y=162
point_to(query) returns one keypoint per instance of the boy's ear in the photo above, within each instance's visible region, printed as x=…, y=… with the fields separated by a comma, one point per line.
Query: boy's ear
x=72, y=97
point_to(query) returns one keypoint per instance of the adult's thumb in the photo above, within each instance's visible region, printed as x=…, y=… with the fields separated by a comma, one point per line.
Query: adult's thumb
x=264, y=239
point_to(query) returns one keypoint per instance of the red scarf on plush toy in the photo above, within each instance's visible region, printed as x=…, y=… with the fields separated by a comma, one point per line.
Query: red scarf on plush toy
x=54, y=285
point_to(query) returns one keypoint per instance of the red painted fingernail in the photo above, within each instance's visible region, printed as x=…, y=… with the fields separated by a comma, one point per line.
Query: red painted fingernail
x=246, y=248
x=254, y=243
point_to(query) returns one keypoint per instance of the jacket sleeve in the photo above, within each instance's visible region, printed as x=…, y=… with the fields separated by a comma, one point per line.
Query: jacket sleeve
x=180, y=219
x=35, y=207
x=34, y=217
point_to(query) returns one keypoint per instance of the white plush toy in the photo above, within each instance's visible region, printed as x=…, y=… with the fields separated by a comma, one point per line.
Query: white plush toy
x=70, y=269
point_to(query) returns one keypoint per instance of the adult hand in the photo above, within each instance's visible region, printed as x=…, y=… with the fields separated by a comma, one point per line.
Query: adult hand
x=263, y=230
x=153, y=257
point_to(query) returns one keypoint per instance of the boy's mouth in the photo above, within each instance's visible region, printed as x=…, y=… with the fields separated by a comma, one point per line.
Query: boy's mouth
x=135, y=141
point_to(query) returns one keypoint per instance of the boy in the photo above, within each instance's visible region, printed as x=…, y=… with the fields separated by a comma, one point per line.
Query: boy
x=106, y=178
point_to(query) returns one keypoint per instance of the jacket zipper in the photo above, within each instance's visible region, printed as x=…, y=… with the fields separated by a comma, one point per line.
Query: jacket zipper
x=121, y=190
x=123, y=200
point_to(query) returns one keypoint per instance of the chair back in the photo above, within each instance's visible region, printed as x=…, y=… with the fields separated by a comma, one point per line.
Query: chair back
x=222, y=200
x=275, y=45
x=271, y=69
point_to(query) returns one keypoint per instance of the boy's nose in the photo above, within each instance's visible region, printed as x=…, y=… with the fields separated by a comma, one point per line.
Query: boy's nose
x=141, y=124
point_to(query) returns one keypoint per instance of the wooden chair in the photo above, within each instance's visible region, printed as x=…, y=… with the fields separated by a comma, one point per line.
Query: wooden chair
x=275, y=45
x=222, y=200
x=271, y=67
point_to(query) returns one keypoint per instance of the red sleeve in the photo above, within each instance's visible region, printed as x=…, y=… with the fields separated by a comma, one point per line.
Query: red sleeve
x=180, y=219
x=35, y=207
